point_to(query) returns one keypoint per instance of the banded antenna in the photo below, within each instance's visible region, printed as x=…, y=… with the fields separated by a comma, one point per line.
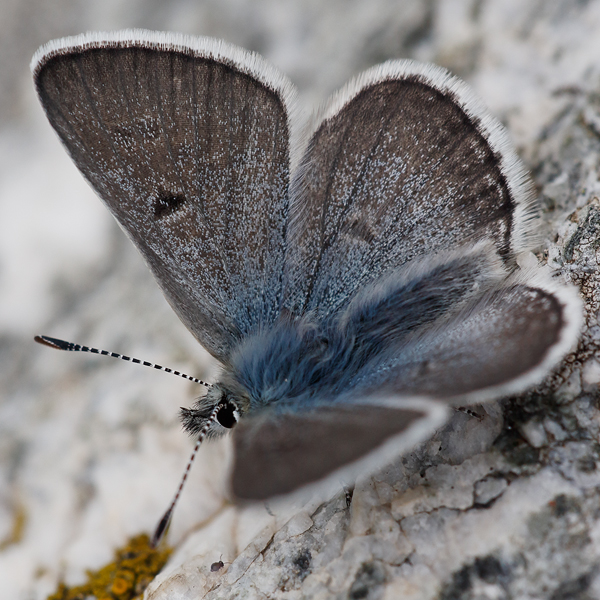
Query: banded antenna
x=71, y=347
x=166, y=518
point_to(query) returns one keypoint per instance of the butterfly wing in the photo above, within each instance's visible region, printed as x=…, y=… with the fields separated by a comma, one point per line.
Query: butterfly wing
x=404, y=168
x=501, y=342
x=186, y=140
x=276, y=453
x=405, y=161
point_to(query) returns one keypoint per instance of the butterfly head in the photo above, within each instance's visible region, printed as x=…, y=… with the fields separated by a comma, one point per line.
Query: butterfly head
x=233, y=405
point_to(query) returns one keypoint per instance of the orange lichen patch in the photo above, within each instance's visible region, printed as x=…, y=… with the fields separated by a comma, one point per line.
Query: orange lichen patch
x=134, y=567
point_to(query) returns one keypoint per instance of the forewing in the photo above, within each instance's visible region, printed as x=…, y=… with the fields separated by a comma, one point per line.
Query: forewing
x=505, y=341
x=278, y=453
x=404, y=162
x=186, y=141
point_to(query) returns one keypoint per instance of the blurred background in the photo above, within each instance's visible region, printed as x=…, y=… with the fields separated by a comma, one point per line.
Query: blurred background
x=91, y=450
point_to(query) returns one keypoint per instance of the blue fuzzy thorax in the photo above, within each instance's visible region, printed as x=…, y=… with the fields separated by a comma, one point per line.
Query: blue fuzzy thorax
x=298, y=362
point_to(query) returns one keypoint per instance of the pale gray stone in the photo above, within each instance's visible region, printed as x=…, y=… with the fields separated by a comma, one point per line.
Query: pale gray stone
x=535, y=434
x=488, y=489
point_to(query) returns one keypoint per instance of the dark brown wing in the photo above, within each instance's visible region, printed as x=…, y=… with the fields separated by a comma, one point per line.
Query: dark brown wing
x=277, y=453
x=506, y=341
x=404, y=162
x=186, y=140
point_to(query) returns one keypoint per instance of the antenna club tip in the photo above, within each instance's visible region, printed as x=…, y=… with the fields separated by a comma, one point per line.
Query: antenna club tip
x=161, y=528
x=51, y=342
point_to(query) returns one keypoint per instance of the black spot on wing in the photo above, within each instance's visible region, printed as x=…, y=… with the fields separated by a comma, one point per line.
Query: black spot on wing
x=168, y=203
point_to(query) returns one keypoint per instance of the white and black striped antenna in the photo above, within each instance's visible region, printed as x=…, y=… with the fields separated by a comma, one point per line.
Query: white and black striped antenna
x=166, y=518
x=71, y=347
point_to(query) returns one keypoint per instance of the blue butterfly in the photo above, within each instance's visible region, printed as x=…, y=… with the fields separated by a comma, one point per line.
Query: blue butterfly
x=354, y=276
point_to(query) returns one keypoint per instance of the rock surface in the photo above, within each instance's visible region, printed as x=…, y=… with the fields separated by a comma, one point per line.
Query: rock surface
x=91, y=451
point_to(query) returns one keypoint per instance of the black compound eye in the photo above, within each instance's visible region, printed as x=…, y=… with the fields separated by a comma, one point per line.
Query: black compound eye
x=226, y=416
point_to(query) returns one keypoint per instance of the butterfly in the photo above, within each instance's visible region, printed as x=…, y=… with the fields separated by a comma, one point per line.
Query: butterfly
x=354, y=276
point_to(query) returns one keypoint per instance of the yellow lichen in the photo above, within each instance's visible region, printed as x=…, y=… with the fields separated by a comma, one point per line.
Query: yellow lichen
x=18, y=527
x=134, y=567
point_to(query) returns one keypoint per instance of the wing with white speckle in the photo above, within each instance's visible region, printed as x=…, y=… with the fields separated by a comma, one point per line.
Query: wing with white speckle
x=403, y=162
x=187, y=142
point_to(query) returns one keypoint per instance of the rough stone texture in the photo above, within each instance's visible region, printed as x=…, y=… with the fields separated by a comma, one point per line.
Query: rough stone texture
x=506, y=506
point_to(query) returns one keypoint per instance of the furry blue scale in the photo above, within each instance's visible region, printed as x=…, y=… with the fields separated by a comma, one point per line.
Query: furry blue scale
x=307, y=361
x=295, y=363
